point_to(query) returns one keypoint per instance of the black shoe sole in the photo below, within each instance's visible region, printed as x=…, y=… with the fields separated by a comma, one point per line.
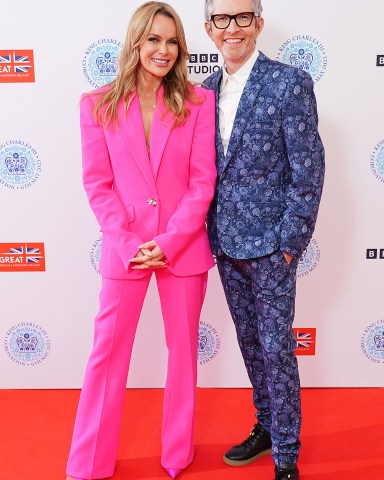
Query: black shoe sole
x=240, y=463
x=297, y=477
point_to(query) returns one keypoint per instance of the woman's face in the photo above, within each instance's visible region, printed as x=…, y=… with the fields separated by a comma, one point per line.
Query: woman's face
x=158, y=52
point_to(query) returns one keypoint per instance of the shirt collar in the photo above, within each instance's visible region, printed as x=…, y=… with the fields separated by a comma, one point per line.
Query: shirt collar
x=241, y=76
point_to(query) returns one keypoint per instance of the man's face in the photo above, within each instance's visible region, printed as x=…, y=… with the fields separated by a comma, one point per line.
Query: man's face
x=236, y=44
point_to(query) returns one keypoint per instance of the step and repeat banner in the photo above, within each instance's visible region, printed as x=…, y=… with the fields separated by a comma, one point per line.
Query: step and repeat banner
x=50, y=242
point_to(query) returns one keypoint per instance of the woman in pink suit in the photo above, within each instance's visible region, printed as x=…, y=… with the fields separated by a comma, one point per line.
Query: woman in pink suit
x=149, y=173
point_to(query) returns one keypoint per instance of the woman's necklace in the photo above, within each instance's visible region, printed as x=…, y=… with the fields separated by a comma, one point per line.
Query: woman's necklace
x=147, y=101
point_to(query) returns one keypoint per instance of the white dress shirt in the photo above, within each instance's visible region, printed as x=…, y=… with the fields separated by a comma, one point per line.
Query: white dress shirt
x=231, y=89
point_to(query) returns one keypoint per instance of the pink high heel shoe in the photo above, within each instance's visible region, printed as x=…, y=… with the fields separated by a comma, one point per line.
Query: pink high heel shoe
x=174, y=472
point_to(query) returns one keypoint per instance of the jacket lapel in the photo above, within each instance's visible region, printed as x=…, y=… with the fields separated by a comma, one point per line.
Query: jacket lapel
x=220, y=156
x=132, y=130
x=248, y=98
x=161, y=129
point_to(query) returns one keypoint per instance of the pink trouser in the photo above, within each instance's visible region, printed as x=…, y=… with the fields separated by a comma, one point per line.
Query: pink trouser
x=97, y=427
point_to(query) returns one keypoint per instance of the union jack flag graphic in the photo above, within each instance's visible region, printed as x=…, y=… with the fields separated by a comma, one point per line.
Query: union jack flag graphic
x=20, y=250
x=22, y=257
x=33, y=259
x=305, y=341
x=21, y=63
x=29, y=251
x=5, y=58
x=16, y=251
x=17, y=63
x=16, y=66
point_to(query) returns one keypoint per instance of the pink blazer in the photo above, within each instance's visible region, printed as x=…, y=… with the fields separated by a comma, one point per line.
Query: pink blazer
x=163, y=198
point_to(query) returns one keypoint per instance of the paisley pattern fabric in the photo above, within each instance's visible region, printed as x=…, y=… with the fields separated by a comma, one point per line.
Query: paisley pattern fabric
x=267, y=198
x=261, y=298
x=270, y=182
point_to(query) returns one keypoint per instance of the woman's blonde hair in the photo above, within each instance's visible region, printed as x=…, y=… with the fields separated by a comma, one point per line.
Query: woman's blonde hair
x=177, y=88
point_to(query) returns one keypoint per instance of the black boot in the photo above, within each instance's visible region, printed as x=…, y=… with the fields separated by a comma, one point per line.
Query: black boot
x=257, y=445
x=286, y=471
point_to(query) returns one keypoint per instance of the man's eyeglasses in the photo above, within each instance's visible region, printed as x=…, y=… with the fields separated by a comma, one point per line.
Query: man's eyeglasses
x=242, y=20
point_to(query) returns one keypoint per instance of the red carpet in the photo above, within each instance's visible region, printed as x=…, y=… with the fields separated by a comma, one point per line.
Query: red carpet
x=342, y=435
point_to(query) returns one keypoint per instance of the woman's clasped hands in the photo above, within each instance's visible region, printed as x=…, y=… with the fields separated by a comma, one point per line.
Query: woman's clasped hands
x=149, y=256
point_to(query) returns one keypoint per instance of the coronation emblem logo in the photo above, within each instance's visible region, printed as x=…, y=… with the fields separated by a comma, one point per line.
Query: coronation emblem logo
x=372, y=342
x=20, y=166
x=27, y=344
x=309, y=259
x=306, y=53
x=95, y=254
x=208, y=343
x=100, y=62
x=377, y=161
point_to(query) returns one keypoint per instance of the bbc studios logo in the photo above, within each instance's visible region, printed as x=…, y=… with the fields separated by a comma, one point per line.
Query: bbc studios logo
x=380, y=61
x=375, y=254
x=203, y=63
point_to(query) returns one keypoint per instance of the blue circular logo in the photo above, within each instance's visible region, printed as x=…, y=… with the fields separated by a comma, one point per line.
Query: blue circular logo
x=100, y=62
x=306, y=53
x=377, y=161
x=27, y=344
x=95, y=254
x=20, y=165
x=309, y=259
x=208, y=343
x=372, y=342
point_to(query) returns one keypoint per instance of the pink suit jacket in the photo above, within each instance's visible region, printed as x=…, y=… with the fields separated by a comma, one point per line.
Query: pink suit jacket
x=164, y=197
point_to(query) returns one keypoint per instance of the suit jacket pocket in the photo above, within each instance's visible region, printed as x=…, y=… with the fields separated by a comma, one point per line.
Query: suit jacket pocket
x=130, y=213
x=254, y=218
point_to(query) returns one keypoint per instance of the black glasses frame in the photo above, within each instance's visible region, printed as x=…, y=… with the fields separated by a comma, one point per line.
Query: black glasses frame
x=233, y=17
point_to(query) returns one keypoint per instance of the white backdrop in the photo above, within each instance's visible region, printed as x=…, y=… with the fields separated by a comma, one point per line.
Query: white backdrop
x=46, y=316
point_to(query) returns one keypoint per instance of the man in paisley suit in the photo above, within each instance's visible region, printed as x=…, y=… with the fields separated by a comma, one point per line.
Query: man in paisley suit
x=270, y=162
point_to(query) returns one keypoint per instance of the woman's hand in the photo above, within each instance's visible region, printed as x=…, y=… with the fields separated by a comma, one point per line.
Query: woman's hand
x=149, y=256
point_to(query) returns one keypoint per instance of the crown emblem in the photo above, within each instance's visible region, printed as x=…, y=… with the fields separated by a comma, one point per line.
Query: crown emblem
x=203, y=340
x=381, y=165
x=379, y=341
x=107, y=64
x=301, y=59
x=16, y=165
x=26, y=343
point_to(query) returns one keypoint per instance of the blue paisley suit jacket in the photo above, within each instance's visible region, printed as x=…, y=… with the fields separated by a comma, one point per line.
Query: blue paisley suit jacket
x=270, y=181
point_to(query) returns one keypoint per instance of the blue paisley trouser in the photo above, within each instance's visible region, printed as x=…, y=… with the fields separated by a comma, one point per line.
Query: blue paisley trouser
x=261, y=297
